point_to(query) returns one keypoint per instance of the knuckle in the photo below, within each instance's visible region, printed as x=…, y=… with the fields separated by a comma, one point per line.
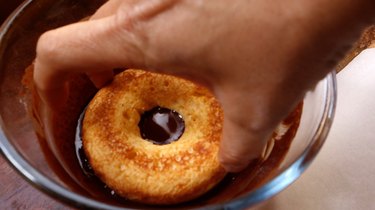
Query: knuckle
x=47, y=47
x=134, y=39
x=143, y=34
x=254, y=124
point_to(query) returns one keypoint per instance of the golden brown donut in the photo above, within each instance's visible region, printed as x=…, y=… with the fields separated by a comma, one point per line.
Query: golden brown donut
x=138, y=169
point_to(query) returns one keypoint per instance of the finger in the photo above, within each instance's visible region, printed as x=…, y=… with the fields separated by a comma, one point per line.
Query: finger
x=240, y=145
x=108, y=9
x=51, y=88
x=93, y=47
x=247, y=127
x=86, y=47
x=111, y=7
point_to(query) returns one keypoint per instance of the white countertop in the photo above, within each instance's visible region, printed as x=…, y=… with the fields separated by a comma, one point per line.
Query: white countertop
x=342, y=176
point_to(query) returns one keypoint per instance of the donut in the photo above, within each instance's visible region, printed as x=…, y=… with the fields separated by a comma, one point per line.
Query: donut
x=175, y=164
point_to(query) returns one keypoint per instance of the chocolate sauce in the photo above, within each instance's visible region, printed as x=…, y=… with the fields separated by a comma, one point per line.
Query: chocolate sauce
x=89, y=173
x=80, y=153
x=161, y=125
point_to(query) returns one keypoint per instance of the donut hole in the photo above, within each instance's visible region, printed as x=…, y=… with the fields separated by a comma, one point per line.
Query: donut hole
x=161, y=125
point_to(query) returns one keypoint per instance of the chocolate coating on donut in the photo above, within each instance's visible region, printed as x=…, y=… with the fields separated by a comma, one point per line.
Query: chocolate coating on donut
x=161, y=125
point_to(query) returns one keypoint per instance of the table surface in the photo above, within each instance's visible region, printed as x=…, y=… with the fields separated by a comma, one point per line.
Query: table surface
x=342, y=175
x=15, y=192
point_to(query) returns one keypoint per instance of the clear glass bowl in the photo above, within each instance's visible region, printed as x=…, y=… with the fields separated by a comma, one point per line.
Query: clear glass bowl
x=19, y=142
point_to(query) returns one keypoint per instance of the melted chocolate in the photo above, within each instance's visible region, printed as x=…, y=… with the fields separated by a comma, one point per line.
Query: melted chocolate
x=89, y=173
x=161, y=125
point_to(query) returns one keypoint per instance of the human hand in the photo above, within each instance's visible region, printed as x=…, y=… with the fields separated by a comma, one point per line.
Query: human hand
x=258, y=57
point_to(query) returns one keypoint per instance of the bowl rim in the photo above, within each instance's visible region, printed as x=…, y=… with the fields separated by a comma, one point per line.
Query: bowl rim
x=273, y=186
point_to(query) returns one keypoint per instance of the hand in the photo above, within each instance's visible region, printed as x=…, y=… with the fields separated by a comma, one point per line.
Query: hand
x=258, y=57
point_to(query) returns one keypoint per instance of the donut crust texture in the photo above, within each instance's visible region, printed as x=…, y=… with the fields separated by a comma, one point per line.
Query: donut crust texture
x=137, y=169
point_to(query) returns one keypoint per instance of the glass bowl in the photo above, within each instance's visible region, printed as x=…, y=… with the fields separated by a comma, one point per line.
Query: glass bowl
x=20, y=145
